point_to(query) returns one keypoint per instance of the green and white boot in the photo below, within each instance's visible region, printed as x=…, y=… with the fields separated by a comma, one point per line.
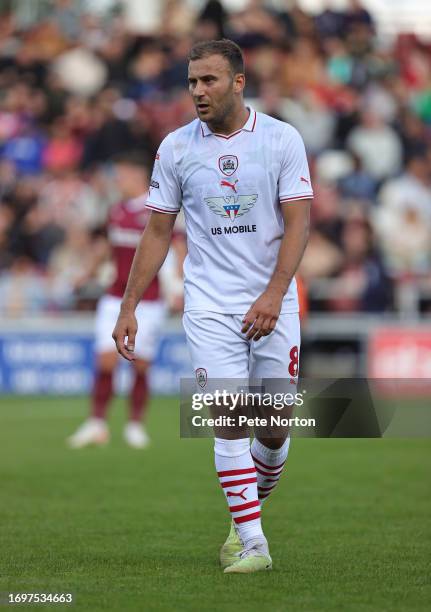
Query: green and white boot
x=254, y=558
x=231, y=548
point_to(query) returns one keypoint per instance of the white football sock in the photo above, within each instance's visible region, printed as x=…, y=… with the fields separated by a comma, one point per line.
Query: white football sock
x=237, y=475
x=269, y=466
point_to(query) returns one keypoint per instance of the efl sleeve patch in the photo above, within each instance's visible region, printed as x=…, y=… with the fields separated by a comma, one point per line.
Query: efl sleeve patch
x=165, y=191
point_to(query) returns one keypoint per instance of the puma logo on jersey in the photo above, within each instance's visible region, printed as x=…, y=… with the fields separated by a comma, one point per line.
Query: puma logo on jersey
x=231, y=185
x=304, y=180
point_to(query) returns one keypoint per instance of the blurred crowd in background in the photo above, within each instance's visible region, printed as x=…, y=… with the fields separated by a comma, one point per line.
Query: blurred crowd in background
x=78, y=88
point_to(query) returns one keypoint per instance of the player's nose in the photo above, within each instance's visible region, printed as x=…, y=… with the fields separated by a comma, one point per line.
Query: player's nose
x=199, y=91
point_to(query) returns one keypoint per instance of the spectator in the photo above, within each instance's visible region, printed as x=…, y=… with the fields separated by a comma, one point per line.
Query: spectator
x=62, y=151
x=66, y=269
x=26, y=150
x=361, y=284
x=358, y=183
x=403, y=219
x=213, y=18
x=303, y=67
x=330, y=23
x=66, y=17
x=27, y=233
x=377, y=145
x=413, y=134
x=358, y=17
x=313, y=119
x=68, y=200
x=147, y=73
x=23, y=289
x=339, y=65
x=322, y=258
x=110, y=134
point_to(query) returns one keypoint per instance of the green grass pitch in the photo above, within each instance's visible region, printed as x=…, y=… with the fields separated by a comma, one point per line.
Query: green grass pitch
x=349, y=526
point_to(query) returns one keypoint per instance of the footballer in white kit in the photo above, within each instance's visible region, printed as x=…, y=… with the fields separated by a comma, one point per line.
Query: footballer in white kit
x=243, y=182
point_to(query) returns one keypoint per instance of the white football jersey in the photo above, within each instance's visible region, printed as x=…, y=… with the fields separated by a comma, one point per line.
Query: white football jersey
x=231, y=189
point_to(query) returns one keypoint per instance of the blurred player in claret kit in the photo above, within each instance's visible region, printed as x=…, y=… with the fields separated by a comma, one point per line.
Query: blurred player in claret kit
x=242, y=178
x=125, y=225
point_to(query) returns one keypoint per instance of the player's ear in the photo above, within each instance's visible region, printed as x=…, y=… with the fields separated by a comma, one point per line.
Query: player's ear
x=238, y=83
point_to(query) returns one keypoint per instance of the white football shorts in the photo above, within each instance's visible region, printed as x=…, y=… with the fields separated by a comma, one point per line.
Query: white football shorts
x=150, y=316
x=219, y=350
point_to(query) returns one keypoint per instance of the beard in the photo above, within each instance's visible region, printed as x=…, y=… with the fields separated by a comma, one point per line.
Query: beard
x=223, y=111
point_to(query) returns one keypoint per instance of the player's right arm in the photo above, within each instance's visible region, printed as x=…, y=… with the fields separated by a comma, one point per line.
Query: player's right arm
x=165, y=202
x=149, y=257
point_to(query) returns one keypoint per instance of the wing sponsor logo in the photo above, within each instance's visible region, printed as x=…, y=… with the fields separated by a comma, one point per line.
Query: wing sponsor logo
x=228, y=164
x=231, y=206
x=154, y=184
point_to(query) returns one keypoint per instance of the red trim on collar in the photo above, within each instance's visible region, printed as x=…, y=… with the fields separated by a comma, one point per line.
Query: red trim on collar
x=227, y=137
x=234, y=133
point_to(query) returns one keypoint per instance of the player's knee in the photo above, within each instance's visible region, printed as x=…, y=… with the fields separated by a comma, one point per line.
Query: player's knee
x=141, y=366
x=273, y=443
x=106, y=362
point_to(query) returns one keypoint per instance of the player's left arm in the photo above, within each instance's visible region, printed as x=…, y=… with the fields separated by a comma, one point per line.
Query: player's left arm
x=262, y=317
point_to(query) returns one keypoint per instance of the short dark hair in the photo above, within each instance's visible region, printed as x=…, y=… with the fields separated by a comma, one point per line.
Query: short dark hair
x=225, y=47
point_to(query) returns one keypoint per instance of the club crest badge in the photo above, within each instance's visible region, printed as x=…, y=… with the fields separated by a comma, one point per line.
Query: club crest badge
x=201, y=377
x=228, y=164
